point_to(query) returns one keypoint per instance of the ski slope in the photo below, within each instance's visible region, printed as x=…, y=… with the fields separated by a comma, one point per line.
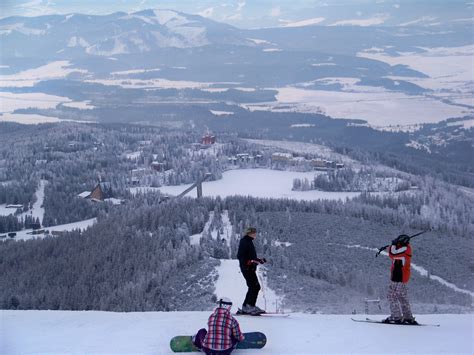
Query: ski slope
x=82, y=332
x=230, y=283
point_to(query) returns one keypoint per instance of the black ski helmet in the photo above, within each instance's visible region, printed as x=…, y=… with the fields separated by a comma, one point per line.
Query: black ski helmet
x=224, y=302
x=401, y=239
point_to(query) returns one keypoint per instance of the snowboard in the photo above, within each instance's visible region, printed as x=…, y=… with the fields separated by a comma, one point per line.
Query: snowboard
x=184, y=343
x=368, y=320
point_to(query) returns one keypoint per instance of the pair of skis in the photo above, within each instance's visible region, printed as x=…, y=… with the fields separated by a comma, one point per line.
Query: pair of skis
x=264, y=314
x=368, y=320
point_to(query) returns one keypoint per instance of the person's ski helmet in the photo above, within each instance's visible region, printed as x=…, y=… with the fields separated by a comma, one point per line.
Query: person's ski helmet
x=224, y=302
x=401, y=239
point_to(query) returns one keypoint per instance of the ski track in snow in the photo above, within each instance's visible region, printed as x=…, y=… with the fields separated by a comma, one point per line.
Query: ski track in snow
x=421, y=270
x=38, y=210
x=195, y=239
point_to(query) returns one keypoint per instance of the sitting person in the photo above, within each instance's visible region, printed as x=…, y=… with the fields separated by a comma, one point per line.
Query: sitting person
x=223, y=332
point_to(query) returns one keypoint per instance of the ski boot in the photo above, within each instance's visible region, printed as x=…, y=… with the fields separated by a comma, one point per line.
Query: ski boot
x=247, y=309
x=410, y=321
x=392, y=320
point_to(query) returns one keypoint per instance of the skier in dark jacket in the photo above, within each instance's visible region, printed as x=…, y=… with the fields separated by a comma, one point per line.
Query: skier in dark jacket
x=248, y=262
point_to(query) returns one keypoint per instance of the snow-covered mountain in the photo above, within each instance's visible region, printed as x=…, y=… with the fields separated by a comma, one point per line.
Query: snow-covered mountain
x=114, y=34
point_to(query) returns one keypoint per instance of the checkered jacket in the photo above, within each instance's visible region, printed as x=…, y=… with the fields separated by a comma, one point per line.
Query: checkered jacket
x=222, y=328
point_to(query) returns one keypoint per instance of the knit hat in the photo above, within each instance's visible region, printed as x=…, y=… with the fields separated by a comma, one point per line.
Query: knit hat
x=250, y=230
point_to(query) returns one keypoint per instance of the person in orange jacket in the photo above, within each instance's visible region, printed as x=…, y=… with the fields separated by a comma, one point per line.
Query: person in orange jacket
x=400, y=252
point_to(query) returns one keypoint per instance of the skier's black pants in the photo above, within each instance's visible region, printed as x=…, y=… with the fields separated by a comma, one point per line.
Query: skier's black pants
x=253, y=285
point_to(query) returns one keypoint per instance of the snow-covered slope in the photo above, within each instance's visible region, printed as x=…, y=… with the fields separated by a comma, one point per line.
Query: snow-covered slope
x=231, y=284
x=48, y=332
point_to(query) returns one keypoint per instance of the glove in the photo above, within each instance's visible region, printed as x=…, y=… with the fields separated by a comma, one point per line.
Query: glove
x=256, y=261
x=252, y=262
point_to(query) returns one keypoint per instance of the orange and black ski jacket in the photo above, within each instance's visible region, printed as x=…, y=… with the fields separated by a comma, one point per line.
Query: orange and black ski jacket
x=401, y=259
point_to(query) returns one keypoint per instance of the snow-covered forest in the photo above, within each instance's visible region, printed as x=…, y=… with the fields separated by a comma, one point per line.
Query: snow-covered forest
x=130, y=258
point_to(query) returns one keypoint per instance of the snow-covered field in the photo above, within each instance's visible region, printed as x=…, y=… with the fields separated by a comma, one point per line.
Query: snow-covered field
x=27, y=118
x=157, y=83
x=83, y=105
x=380, y=108
x=450, y=75
x=34, y=118
x=221, y=113
x=25, y=234
x=447, y=68
x=370, y=21
x=264, y=183
x=30, y=77
x=450, y=70
x=304, y=148
x=4, y=211
x=10, y=102
x=466, y=124
x=307, y=22
x=93, y=332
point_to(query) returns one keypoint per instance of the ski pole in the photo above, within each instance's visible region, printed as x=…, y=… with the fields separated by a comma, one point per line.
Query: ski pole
x=263, y=291
x=410, y=237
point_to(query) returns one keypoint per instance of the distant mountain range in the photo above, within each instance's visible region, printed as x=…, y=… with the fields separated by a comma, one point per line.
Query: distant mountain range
x=149, y=59
x=73, y=36
x=115, y=34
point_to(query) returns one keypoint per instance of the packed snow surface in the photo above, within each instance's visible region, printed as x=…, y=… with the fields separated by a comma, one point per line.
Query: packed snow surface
x=264, y=183
x=87, y=332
